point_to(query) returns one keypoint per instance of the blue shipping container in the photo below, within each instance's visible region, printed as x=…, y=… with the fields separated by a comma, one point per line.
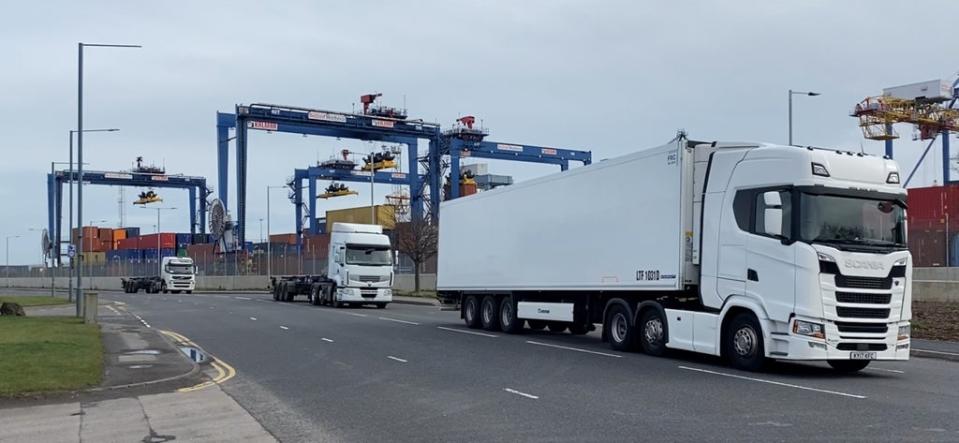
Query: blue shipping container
x=199, y=239
x=182, y=240
x=954, y=251
x=116, y=256
x=132, y=232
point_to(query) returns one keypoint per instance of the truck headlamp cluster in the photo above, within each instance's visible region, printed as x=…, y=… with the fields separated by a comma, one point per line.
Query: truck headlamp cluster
x=809, y=329
x=820, y=170
x=893, y=178
x=904, y=332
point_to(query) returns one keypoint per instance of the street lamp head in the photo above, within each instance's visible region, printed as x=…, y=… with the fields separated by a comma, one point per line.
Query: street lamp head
x=813, y=94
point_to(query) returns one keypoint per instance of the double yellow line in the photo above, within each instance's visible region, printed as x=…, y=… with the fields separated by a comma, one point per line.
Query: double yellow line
x=224, y=372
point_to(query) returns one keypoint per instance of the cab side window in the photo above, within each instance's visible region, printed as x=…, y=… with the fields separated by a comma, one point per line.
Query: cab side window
x=752, y=207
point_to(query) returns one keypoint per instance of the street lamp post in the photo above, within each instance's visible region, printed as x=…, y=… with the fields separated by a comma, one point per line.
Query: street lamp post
x=70, y=229
x=6, y=264
x=269, y=251
x=80, y=47
x=159, y=260
x=791, y=94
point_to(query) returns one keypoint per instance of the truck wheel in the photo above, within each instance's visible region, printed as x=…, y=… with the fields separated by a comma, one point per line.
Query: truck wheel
x=536, y=325
x=743, y=343
x=276, y=293
x=618, y=329
x=556, y=326
x=315, y=295
x=381, y=305
x=579, y=328
x=848, y=366
x=284, y=289
x=163, y=288
x=652, y=332
x=489, y=313
x=508, y=322
x=471, y=312
x=326, y=295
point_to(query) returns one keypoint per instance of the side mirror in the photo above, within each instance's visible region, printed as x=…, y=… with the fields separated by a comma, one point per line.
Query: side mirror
x=772, y=214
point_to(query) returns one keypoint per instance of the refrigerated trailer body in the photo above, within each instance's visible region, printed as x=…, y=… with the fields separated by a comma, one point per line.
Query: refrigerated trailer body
x=746, y=250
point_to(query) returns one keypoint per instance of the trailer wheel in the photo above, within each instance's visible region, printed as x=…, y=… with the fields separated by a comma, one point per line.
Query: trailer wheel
x=489, y=313
x=508, y=322
x=652, y=332
x=471, y=312
x=743, y=343
x=618, y=329
x=276, y=292
x=536, y=325
x=848, y=366
x=556, y=326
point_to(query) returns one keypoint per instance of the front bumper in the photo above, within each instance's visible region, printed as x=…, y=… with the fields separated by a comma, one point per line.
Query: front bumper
x=181, y=285
x=799, y=347
x=364, y=295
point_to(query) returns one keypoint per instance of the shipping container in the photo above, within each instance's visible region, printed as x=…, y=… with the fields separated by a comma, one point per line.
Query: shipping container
x=132, y=232
x=116, y=255
x=150, y=255
x=289, y=239
x=933, y=202
x=184, y=239
x=150, y=241
x=199, y=239
x=384, y=216
x=928, y=247
x=129, y=243
x=119, y=234
x=92, y=258
x=107, y=245
x=91, y=244
x=181, y=252
x=954, y=251
x=105, y=233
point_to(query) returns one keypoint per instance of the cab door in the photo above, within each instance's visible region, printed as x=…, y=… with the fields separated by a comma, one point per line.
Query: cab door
x=770, y=255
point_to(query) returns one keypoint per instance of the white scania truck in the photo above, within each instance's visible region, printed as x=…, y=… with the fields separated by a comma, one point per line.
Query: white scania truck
x=749, y=251
x=359, y=271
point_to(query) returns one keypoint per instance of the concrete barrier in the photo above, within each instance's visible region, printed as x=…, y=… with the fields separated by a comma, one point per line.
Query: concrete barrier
x=402, y=282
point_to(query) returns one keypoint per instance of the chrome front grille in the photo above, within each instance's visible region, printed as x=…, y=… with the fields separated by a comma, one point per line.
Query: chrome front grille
x=855, y=297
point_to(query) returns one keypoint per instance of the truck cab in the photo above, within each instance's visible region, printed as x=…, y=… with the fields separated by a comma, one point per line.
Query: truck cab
x=178, y=274
x=360, y=264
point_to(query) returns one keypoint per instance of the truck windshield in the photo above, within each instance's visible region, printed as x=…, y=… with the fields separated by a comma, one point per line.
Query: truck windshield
x=368, y=255
x=845, y=221
x=179, y=269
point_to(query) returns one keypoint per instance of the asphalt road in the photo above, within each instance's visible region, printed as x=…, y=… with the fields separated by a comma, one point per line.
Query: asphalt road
x=415, y=373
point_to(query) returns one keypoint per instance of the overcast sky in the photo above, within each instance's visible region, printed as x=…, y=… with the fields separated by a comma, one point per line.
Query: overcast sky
x=610, y=77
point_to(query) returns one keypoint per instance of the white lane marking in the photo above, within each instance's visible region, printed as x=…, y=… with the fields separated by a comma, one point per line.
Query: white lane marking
x=242, y=298
x=284, y=327
x=513, y=391
x=483, y=334
x=572, y=349
x=936, y=352
x=326, y=340
x=777, y=383
x=353, y=314
x=142, y=320
x=253, y=318
x=399, y=321
x=396, y=358
x=894, y=371
x=114, y=310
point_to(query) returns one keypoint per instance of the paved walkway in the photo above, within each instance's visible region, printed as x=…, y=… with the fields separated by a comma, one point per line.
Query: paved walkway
x=204, y=415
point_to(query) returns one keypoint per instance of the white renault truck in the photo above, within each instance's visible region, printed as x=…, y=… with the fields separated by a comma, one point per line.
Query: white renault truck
x=748, y=251
x=176, y=274
x=359, y=270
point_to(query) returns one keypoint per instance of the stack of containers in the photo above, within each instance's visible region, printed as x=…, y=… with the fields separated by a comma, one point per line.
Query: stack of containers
x=166, y=242
x=933, y=225
x=91, y=239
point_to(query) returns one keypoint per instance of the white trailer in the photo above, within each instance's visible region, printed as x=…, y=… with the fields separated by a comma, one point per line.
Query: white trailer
x=745, y=250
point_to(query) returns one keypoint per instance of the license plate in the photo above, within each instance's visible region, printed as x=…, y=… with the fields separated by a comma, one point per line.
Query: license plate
x=862, y=355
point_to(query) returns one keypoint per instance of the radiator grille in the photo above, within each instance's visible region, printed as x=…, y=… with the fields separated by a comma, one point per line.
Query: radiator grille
x=846, y=312
x=853, y=297
x=871, y=328
x=843, y=281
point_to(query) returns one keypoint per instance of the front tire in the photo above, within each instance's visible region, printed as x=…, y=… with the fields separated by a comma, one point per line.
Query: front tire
x=507, y=317
x=848, y=366
x=744, y=347
x=618, y=329
x=381, y=305
x=471, y=312
x=489, y=313
x=652, y=332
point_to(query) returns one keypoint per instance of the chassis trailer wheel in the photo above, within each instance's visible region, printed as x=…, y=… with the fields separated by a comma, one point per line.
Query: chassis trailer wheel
x=489, y=313
x=471, y=312
x=508, y=322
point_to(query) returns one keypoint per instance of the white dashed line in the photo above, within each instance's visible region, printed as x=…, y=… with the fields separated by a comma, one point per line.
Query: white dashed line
x=242, y=298
x=513, y=391
x=937, y=352
x=777, y=383
x=253, y=318
x=353, y=314
x=464, y=331
x=284, y=328
x=399, y=321
x=326, y=340
x=573, y=349
x=396, y=358
x=142, y=320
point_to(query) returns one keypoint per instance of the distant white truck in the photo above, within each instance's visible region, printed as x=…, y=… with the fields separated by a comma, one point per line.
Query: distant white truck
x=176, y=274
x=748, y=251
x=359, y=270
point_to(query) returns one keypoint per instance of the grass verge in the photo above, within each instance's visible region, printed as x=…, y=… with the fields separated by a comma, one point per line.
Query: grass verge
x=33, y=300
x=45, y=354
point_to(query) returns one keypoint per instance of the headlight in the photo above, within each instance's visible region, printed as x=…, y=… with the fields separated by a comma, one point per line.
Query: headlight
x=824, y=257
x=809, y=329
x=900, y=262
x=904, y=332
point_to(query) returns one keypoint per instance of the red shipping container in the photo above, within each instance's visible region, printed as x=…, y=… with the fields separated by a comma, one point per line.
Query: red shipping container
x=316, y=245
x=105, y=233
x=287, y=239
x=91, y=244
x=928, y=247
x=106, y=245
x=166, y=241
x=129, y=243
x=933, y=202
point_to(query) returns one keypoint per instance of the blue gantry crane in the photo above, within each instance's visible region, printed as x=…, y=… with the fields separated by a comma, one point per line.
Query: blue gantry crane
x=373, y=123
x=195, y=185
